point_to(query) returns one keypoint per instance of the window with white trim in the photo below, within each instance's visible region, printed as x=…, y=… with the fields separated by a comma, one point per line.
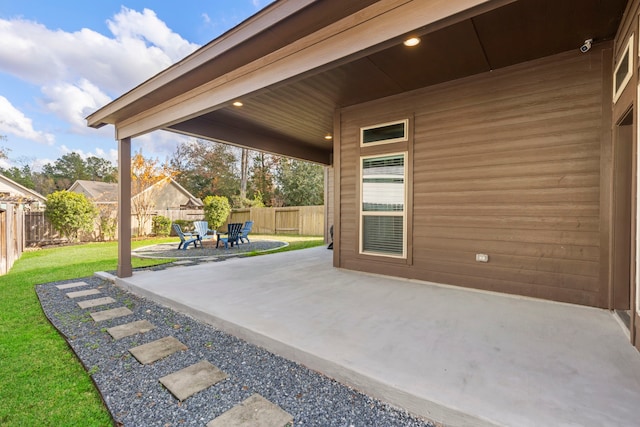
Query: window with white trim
x=385, y=133
x=383, y=205
x=623, y=71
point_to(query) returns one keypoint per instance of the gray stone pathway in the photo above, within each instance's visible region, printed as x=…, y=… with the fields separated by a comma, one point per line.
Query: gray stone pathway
x=100, y=316
x=128, y=329
x=156, y=350
x=72, y=285
x=78, y=294
x=255, y=411
x=192, y=379
x=95, y=302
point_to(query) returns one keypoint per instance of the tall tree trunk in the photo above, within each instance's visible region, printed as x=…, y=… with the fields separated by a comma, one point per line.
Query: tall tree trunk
x=244, y=173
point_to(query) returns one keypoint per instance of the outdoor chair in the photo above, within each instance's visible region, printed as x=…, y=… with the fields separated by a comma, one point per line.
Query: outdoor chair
x=186, y=238
x=232, y=234
x=244, y=233
x=202, y=228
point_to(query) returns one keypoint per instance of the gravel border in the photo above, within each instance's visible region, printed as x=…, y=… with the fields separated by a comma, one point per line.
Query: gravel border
x=135, y=397
x=207, y=250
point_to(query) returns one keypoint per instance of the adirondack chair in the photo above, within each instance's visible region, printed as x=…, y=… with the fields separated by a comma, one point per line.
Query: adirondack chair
x=244, y=233
x=233, y=231
x=202, y=228
x=186, y=238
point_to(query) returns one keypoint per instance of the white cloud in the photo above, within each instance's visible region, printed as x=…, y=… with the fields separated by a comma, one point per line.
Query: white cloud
x=73, y=102
x=81, y=71
x=14, y=122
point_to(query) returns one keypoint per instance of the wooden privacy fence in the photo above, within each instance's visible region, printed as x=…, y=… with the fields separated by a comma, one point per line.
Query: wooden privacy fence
x=302, y=220
x=39, y=231
x=11, y=235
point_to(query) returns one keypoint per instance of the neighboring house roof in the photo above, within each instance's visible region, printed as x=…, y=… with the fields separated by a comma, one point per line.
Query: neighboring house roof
x=99, y=192
x=11, y=191
x=107, y=192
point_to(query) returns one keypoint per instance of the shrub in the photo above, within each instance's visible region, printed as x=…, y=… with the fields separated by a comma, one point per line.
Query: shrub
x=216, y=210
x=70, y=212
x=161, y=225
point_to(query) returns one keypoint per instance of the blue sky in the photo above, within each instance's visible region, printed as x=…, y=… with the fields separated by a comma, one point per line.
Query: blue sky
x=61, y=60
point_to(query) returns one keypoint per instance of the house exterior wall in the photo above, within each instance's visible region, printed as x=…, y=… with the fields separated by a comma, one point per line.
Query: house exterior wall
x=169, y=197
x=627, y=106
x=505, y=163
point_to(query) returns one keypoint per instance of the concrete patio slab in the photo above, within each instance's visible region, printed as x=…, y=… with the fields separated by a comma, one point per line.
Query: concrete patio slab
x=128, y=329
x=456, y=356
x=85, y=293
x=156, y=350
x=114, y=313
x=192, y=379
x=72, y=285
x=95, y=302
x=255, y=411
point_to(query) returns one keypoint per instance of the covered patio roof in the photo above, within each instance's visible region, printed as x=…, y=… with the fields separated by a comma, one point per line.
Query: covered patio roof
x=297, y=62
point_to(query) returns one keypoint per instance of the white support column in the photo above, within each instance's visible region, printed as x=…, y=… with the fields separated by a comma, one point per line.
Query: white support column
x=124, y=208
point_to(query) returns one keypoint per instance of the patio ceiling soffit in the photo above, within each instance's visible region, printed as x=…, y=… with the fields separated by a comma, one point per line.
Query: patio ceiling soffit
x=372, y=29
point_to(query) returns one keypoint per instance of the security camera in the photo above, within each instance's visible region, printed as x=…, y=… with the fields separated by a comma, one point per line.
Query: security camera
x=586, y=46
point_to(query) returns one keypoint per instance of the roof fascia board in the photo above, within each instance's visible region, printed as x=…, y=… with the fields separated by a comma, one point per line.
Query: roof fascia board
x=380, y=23
x=254, y=25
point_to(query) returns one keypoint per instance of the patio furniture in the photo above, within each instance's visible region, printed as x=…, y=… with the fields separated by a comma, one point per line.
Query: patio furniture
x=186, y=238
x=244, y=233
x=202, y=228
x=233, y=231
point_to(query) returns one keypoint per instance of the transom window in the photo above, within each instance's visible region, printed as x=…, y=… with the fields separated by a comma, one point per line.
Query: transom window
x=384, y=133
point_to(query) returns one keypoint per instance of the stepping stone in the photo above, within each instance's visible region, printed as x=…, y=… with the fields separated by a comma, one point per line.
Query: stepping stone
x=156, y=350
x=95, y=302
x=188, y=381
x=114, y=313
x=128, y=329
x=72, y=285
x=79, y=294
x=256, y=411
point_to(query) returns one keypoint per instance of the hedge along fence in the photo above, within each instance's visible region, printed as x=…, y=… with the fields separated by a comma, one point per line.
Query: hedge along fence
x=302, y=220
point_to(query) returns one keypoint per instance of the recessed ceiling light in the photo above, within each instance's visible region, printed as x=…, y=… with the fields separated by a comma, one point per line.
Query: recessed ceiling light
x=328, y=137
x=237, y=104
x=413, y=41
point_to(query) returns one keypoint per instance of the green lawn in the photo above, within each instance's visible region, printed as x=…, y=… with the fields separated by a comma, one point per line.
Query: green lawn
x=41, y=381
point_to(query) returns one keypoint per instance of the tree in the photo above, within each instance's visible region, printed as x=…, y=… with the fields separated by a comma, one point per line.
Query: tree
x=23, y=175
x=244, y=173
x=300, y=183
x=207, y=168
x=216, y=210
x=147, y=177
x=100, y=169
x=261, y=178
x=70, y=213
x=66, y=170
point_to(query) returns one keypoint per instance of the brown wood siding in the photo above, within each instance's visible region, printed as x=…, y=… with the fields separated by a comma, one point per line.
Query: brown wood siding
x=505, y=163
